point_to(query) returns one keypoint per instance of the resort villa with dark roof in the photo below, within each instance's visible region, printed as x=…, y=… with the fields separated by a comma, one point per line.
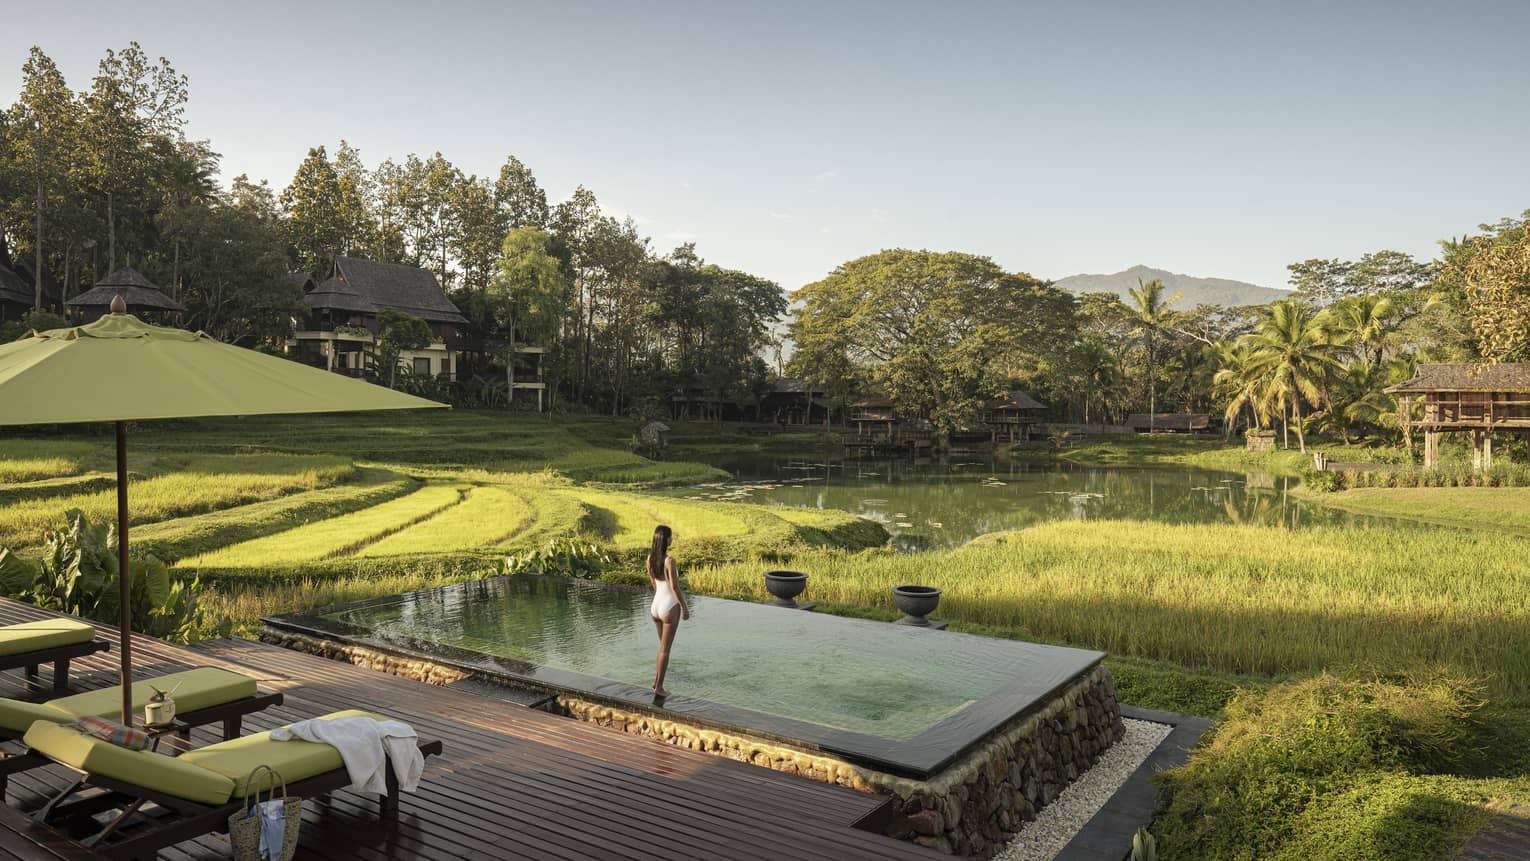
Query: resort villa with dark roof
x=342, y=324
x=16, y=295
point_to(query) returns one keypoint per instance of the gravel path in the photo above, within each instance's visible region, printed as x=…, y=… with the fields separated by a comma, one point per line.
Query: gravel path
x=1056, y=824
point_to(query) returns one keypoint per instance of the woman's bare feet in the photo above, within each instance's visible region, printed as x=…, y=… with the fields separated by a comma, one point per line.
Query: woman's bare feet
x=660, y=692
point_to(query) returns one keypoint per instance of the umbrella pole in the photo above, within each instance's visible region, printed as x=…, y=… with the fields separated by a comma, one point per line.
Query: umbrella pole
x=124, y=578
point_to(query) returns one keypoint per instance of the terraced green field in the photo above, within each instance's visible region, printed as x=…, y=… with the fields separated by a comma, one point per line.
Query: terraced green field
x=486, y=517
x=338, y=536
x=284, y=513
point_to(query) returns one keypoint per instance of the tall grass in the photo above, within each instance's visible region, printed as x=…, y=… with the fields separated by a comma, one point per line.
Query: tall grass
x=1249, y=600
x=334, y=537
x=488, y=516
x=200, y=484
x=34, y=459
x=188, y=536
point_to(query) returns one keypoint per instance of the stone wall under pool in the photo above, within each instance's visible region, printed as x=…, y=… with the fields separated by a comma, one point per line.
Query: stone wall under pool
x=969, y=808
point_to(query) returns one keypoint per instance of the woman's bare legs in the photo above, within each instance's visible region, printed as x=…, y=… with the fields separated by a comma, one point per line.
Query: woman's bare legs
x=666, y=628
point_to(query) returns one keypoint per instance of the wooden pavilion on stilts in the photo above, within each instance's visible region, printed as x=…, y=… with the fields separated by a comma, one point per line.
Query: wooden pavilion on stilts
x=1475, y=399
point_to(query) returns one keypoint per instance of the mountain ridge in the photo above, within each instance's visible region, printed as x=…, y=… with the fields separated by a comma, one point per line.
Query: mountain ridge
x=1197, y=291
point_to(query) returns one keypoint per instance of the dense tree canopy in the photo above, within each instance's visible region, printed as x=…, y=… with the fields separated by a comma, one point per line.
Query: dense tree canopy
x=936, y=332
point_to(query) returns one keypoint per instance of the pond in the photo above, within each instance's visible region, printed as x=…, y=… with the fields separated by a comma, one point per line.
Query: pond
x=929, y=503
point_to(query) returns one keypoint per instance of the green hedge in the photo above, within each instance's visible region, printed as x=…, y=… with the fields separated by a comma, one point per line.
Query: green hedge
x=1330, y=768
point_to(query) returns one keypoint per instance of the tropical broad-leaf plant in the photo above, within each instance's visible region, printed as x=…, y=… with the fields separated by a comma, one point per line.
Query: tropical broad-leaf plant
x=77, y=574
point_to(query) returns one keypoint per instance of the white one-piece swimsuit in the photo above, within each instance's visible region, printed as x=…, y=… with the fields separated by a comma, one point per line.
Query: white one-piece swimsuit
x=664, y=599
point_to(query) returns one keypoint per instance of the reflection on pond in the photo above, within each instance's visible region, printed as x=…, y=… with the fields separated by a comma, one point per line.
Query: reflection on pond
x=929, y=503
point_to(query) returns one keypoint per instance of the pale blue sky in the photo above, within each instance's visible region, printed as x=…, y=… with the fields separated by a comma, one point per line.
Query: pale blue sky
x=1217, y=139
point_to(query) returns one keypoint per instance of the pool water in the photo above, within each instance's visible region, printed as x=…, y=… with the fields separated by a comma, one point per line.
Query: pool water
x=860, y=685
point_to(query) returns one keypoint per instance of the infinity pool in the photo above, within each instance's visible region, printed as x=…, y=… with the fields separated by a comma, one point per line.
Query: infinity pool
x=900, y=699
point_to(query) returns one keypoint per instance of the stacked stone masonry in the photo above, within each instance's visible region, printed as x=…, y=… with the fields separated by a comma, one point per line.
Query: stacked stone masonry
x=967, y=809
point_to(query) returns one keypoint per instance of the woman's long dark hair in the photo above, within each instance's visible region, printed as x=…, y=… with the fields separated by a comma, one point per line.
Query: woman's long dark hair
x=661, y=536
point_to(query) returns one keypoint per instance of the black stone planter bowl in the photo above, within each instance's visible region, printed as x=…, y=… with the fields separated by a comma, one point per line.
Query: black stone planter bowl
x=916, y=602
x=785, y=585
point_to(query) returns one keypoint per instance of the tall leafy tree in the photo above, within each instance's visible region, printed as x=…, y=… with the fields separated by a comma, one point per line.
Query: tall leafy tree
x=931, y=329
x=131, y=101
x=1320, y=280
x=526, y=292
x=42, y=132
x=522, y=202
x=478, y=232
x=1487, y=277
x=312, y=212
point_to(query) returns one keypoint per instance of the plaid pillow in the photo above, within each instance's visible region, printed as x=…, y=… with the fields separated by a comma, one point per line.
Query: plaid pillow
x=113, y=732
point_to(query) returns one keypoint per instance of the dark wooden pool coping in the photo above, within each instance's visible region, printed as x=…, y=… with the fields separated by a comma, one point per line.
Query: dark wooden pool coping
x=919, y=758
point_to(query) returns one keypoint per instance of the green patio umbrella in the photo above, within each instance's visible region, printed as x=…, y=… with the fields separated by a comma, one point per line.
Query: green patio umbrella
x=120, y=369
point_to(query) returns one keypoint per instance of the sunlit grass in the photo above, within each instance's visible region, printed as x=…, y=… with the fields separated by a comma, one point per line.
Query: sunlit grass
x=335, y=536
x=200, y=484
x=35, y=459
x=1248, y=600
x=488, y=516
x=188, y=536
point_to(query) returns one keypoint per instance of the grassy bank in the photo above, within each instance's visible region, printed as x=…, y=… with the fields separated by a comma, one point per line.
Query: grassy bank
x=1498, y=508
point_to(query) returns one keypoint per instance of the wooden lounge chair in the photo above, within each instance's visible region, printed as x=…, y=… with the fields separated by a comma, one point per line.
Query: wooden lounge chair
x=48, y=641
x=205, y=695
x=195, y=792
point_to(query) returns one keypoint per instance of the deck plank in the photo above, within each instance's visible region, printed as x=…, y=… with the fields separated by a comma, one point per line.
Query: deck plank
x=512, y=783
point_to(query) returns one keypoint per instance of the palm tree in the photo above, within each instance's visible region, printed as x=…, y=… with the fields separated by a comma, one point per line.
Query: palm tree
x=1237, y=382
x=1151, y=313
x=1292, y=351
x=1364, y=322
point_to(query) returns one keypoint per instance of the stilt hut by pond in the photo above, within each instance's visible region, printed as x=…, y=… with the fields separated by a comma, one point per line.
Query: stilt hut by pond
x=1011, y=416
x=875, y=419
x=1464, y=398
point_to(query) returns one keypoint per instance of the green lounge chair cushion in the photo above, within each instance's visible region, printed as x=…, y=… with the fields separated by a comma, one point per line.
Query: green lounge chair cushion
x=43, y=634
x=198, y=689
x=18, y=716
x=201, y=688
x=142, y=768
x=294, y=760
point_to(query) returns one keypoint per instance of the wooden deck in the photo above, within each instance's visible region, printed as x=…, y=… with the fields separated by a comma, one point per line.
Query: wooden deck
x=513, y=782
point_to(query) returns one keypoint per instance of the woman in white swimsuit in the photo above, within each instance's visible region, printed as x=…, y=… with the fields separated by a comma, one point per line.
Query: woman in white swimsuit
x=668, y=606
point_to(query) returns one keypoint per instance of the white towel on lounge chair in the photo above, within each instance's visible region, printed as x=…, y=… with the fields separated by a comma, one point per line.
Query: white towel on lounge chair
x=366, y=746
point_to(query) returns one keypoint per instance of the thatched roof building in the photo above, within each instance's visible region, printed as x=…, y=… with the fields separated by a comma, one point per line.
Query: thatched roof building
x=1464, y=377
x=139, y=292
x=16, y=295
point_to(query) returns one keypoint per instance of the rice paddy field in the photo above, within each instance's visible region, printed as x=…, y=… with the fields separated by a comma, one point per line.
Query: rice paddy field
x=271, y=514
x=275, y=515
